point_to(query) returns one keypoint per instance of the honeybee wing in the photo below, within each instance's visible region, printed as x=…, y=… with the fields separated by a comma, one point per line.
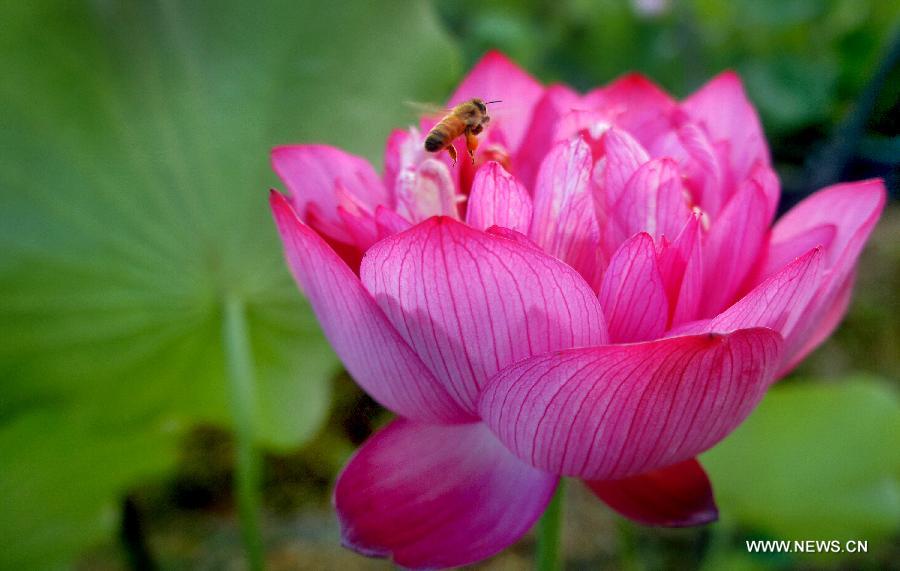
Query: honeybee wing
x=429, y=110
x=435, y=111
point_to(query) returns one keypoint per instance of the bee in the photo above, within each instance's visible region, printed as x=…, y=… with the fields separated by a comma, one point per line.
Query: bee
x=467, y=119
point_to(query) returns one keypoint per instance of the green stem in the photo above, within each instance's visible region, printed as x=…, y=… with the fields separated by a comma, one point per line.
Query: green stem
x=628, y=549
x=239, y=363
x=549, y=533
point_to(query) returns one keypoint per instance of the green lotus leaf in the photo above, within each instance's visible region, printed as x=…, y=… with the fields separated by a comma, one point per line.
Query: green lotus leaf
x=814, y=461
x=134, y=141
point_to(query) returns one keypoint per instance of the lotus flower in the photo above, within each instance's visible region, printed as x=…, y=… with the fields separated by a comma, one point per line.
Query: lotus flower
x=599, y=296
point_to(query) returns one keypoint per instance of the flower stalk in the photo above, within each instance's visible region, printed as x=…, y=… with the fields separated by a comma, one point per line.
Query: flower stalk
x=548, y=556
x=239, y=369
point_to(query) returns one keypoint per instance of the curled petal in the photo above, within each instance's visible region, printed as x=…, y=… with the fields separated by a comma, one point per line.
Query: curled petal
x=431, y=496
x=495, y=77
x=611, y=412
x=675, y=496
x=632, y=293
x=311, y=173
x=427, y=190
x=564, y=224
x=373, y=352
x=497, y=199
x=470, y=303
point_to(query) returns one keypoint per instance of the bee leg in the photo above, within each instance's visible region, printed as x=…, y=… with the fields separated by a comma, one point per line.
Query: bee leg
x=452, y=151
x=471, y=144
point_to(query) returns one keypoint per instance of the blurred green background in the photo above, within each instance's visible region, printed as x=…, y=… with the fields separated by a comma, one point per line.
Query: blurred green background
x=140, y=265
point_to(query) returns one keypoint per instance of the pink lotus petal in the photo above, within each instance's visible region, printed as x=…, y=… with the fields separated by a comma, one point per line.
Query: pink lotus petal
x=623, y=155
x=498, y=199
x=778, y=303
x=495, y=77
x=616, y=411
x=311, y=173
x=589, y=124
x=695, y=327
x=471, y=303
x=699, y=161
x=829, y=307
x=393, y=158
x=431, y=496
x=405, y=155
x=541, y=133
x=853, y=209
x=703, y=169
x=636, y=104
x=721, y=107
x=335, y=235
x=674, y=496
x=564, y=224
x=513, y=235
x=493, y=146
x=358, y=218
x=681, y=268
x=426, y=191
x=361, y=228
x=389, y=222
x=768, y=181
x=653, y=201
x=632, y=293
x=783, y=253
x=374, y=354
x=732, y=247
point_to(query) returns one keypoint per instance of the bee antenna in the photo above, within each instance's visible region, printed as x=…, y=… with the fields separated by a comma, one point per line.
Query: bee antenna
x=495, y=101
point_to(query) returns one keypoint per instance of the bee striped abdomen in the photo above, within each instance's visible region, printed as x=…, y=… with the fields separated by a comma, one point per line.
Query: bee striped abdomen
x=443, y=133
x=436, y=140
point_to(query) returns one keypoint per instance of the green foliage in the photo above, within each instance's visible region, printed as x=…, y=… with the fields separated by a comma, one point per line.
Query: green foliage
x=815, y=461
x=803, y=60
x=134, y=142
